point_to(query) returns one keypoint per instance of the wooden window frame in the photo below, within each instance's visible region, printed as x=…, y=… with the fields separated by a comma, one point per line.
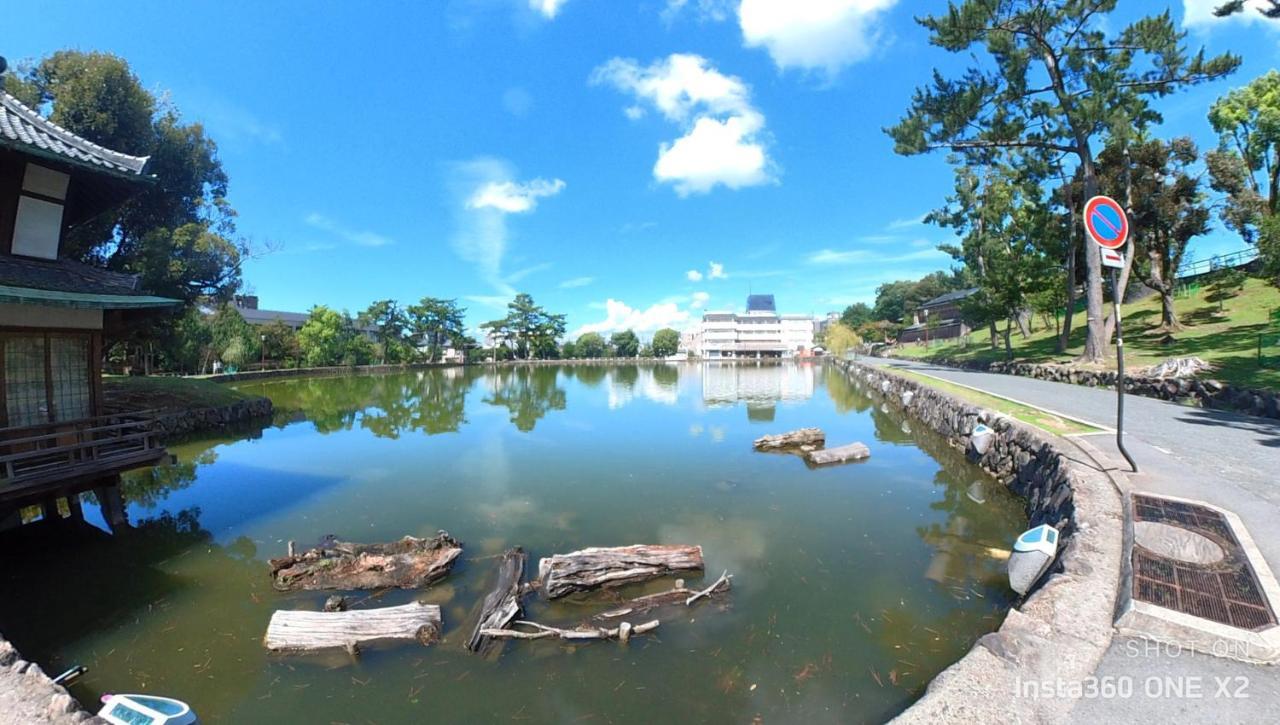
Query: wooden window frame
x=92, y=367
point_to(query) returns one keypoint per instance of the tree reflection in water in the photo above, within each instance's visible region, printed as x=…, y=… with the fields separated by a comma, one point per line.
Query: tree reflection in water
x=528, y=393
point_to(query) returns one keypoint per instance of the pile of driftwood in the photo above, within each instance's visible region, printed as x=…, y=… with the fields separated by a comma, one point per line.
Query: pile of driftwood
x=810, y=444
x=413, y=563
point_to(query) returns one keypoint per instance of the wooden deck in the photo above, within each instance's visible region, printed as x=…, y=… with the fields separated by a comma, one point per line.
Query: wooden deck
x=62, y=458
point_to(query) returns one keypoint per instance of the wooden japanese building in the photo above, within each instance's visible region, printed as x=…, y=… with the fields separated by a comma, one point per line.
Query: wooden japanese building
x=55, y=441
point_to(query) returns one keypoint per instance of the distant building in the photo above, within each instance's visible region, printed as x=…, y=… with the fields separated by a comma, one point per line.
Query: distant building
x=760, y=332
x=247, y=306
x=939, y=319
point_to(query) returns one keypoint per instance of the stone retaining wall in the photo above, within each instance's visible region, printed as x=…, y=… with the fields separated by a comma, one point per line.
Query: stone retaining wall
x=27, y=695
x=314, y=372
x=209, y=420
x=1059, y=633
x=1205, y=393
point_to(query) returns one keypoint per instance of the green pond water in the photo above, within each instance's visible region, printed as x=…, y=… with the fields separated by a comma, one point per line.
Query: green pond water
x=853, y=585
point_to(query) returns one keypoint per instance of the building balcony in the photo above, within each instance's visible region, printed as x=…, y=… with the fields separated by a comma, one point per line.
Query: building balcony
x=70, y=456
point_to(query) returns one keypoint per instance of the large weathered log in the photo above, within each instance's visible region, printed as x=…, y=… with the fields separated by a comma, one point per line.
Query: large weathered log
x=296, y=631
x=409, y=563
x=503, y=603
x=623, y=632
x=613, y=566
x=839, y=454
x=680, y=595
x=803, y=438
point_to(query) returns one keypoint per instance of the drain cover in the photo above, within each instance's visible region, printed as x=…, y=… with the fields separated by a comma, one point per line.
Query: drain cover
x=1226, y=591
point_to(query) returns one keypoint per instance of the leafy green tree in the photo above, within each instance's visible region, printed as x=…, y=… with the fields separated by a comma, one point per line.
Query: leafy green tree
x=1052, y=81
x=533, y=330
x=227, y=327
x=324, y=338
x=1271, y=9
x=856, y=315
x=390, y=323
x=1246, y=165
x=591, y=345
x=666, y=342
x=235, y=355
x=279, y=341
x=568, y=350
x=190, y=263
x=436, y=322
x=840, y=339
x=625, y=344
x=1224, y=284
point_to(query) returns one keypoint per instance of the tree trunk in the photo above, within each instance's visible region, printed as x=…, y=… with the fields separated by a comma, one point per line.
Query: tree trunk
x=409, y=563
x=1095, y=339
x=1064, y=332
x=596, y=567
x=501, y=605
x=1008, y=346
x=995, y=334
x=1024, y=323
x=300, y=631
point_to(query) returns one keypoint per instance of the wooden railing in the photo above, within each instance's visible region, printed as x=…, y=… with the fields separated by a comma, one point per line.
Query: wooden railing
x=90, y=447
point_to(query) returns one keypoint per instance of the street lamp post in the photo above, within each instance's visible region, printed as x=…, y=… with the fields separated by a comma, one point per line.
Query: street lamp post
x=264, y=350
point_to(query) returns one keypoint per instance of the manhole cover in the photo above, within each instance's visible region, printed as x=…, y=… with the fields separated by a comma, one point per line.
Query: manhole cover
x=1184, y=572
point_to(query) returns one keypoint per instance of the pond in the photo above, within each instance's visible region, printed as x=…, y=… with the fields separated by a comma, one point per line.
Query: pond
x=853, y=585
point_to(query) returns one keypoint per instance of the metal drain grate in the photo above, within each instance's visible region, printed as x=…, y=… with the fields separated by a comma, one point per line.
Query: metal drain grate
x=1226, y=592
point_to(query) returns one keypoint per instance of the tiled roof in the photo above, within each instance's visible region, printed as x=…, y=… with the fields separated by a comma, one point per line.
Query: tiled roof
x=255, y=316
x=65, y=275
x=26, y=130
x=950, y=297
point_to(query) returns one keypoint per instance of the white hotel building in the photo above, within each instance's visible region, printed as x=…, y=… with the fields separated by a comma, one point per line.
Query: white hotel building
x=758, y=333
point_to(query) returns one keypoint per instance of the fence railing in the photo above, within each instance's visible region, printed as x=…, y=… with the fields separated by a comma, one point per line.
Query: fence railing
x=53, y=452
x=1198, y=267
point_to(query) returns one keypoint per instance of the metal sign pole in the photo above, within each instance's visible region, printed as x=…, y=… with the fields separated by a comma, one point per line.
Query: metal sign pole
x=1115, y=302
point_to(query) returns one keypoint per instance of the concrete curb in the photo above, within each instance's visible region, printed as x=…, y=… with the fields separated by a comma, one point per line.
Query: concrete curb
x=1037, y=664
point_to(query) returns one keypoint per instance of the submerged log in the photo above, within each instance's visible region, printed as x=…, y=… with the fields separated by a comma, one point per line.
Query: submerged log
x=803, y=438
x=597, y=567
x=409, y=563
x=839, y=454
x=295, y=631
x=680, y=595
x=503, y=603
x=624, y=632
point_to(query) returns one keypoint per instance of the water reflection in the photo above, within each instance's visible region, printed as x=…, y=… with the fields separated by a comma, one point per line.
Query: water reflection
x=726, y=383
x=527, y=392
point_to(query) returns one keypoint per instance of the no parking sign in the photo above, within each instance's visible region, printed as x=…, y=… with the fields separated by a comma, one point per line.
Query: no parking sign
x=1108, y=226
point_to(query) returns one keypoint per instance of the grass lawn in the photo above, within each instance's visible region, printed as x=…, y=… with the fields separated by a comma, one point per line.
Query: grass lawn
x=1228, y=341
x=123, y=392
x=1041, y=419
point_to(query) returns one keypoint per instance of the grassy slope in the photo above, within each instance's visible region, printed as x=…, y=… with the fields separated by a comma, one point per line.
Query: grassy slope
x=1230, y=342
x=166, y=393
x=1041, y=419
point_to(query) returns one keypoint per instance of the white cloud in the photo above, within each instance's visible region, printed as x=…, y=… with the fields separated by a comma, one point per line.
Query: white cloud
x=853, y=256
x=577, y=282
x=486, y=194
x=831, y=256
x=716, y=271
x=621, y=316
x=705, y=10
x=363, y=237
x=512, y=197
x=548, y=8
x=813, y=34
x=906, y=223
x=723, y=141
x=699, y=300
x=693, y=275
x=1200, y=13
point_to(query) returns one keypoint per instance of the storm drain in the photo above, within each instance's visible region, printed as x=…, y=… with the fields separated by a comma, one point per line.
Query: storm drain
x=1226, y=591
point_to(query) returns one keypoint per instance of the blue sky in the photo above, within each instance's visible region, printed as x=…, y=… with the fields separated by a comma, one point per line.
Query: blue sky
x=629, y=164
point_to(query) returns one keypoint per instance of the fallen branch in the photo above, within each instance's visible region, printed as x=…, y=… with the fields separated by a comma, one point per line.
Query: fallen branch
x=503, y=603
x=679, y=595
x=805, y=438
x=724, y=579
x=297, y=631
x=622, y=632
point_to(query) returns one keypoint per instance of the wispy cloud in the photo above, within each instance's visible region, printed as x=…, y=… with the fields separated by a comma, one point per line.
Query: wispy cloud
x=856, y=256
x=576, y=282
x=715, y=270
x=486, y=193
x=907, y=223
x=363, y=237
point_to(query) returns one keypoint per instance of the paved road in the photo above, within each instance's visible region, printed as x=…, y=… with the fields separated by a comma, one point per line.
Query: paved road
x=1229, y=460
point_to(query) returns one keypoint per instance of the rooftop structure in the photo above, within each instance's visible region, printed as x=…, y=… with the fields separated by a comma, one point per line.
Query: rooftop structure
x=760, y=332
x=55, y=440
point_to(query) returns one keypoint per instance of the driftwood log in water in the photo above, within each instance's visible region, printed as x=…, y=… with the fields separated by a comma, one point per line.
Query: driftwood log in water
x=409, y=563
x=597, y=567
x=805, y=438
x=503, y=603
x=623, y=631
x=294, y=631
x=839, y=454
x=680, y=595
